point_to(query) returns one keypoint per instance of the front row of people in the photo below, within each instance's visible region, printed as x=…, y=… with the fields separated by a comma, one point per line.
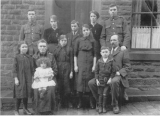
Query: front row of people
x=54, y=71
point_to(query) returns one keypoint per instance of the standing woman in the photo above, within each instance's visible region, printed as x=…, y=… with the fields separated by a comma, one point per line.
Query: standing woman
x=22, y=72
x=96, y=30
x=84, y=61
x=52, y=34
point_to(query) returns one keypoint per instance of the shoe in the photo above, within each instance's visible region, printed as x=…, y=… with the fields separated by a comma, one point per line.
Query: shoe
x=104, y=104
x=70, y=105
x=41, y=95
x=100, y=109
x=26, y=111
x=79, y=105
x=116, y=110
x=97, y=107
x=16, y=112
x=126, y=96
x=104, y=110
x=91, y=104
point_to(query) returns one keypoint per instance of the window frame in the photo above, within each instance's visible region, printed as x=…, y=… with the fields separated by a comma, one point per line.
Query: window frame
x=133, y=13
x=144, y=54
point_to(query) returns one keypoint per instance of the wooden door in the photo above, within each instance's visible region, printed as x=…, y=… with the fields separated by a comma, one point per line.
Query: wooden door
x=68, y=10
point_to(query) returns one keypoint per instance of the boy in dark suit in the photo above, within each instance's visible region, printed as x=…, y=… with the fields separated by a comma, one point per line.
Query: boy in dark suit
x=72, y=37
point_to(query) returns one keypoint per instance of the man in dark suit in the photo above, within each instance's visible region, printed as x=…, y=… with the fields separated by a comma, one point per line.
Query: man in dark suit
x=72, y=38
x=122, y=62
x=123, y=66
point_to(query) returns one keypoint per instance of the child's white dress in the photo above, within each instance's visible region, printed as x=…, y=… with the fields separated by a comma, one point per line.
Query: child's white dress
x=43, y=76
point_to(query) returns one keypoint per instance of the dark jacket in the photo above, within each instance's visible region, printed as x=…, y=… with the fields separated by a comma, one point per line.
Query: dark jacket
x=50, y=56
x=64, y=59
x=51, y=35
x=23, y=69
x=31, y=32
x=122, y=64
x=96, y=31
x=72, y=38
x=104, y=70
x=117, y=25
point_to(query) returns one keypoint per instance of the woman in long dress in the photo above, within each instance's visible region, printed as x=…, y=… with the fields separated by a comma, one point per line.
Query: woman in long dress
x=84, y=61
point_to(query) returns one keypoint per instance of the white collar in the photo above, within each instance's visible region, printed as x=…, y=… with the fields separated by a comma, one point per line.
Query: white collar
x=93, y=24
x=74, y=33
x=105, y=59
x=54, y=28
x=114, y=49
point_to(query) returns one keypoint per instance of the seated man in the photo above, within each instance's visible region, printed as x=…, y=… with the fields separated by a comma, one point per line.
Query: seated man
x=122, y=62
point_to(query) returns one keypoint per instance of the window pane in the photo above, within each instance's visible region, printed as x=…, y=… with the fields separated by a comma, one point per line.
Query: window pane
x=141, y=37
x=156, y=37
x=145, y=23
x=156, y=33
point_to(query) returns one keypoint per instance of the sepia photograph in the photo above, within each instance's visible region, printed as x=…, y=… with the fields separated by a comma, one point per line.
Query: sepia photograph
x=80, y=57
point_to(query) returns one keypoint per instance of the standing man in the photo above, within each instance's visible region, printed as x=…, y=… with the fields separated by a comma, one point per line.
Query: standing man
x=31, y=32
x=122, y=64
x=115, y=25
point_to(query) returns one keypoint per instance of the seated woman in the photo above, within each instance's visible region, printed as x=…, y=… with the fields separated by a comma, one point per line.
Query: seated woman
x=47, y=104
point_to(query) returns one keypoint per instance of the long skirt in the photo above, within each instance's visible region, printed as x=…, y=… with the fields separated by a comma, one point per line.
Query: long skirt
x=46, y=104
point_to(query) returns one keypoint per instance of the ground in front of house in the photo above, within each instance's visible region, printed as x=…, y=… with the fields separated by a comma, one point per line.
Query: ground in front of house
x=134, y=108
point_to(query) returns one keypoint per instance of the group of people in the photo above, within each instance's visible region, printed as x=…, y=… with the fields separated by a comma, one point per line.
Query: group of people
x=91, y=59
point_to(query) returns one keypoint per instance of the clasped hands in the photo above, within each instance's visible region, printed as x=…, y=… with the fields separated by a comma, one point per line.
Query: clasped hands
x=76, y=68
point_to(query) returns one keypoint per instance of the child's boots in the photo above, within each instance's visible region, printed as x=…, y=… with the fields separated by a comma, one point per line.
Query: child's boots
x=104, y=104
x=100, y=104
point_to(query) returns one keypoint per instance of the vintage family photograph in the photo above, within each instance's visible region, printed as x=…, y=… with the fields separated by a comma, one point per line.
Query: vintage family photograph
x=80, y=57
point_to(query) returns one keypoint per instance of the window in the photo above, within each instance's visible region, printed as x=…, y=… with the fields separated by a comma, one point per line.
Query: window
x=145, y=24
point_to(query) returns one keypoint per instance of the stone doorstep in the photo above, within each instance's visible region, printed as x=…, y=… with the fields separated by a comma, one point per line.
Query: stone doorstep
x=134, y=94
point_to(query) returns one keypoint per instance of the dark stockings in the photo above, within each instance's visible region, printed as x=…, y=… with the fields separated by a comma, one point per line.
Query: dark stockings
x=17, y=103
x=25, y=102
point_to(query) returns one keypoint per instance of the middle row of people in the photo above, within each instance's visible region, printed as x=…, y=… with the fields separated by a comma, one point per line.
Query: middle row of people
x=80, y=63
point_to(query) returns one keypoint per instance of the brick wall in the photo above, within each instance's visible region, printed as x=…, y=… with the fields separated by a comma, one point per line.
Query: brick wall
x=13, y=15
x=143, y=73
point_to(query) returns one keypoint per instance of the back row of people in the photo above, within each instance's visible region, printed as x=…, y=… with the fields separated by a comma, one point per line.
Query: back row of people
x=74, y=57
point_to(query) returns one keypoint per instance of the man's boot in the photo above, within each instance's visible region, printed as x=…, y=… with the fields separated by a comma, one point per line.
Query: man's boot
x=104, y=104
x=97, y=106
x=91, y=102
x=69, y=101
x=79, y=105
x=100, y=104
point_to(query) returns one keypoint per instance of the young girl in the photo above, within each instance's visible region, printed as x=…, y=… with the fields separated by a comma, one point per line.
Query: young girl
x=43, y=76
x=64, y=59
x=84, y=62
x=22, y=72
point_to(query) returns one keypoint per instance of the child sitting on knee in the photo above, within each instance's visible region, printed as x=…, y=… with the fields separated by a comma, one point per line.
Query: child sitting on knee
x=43, y=76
